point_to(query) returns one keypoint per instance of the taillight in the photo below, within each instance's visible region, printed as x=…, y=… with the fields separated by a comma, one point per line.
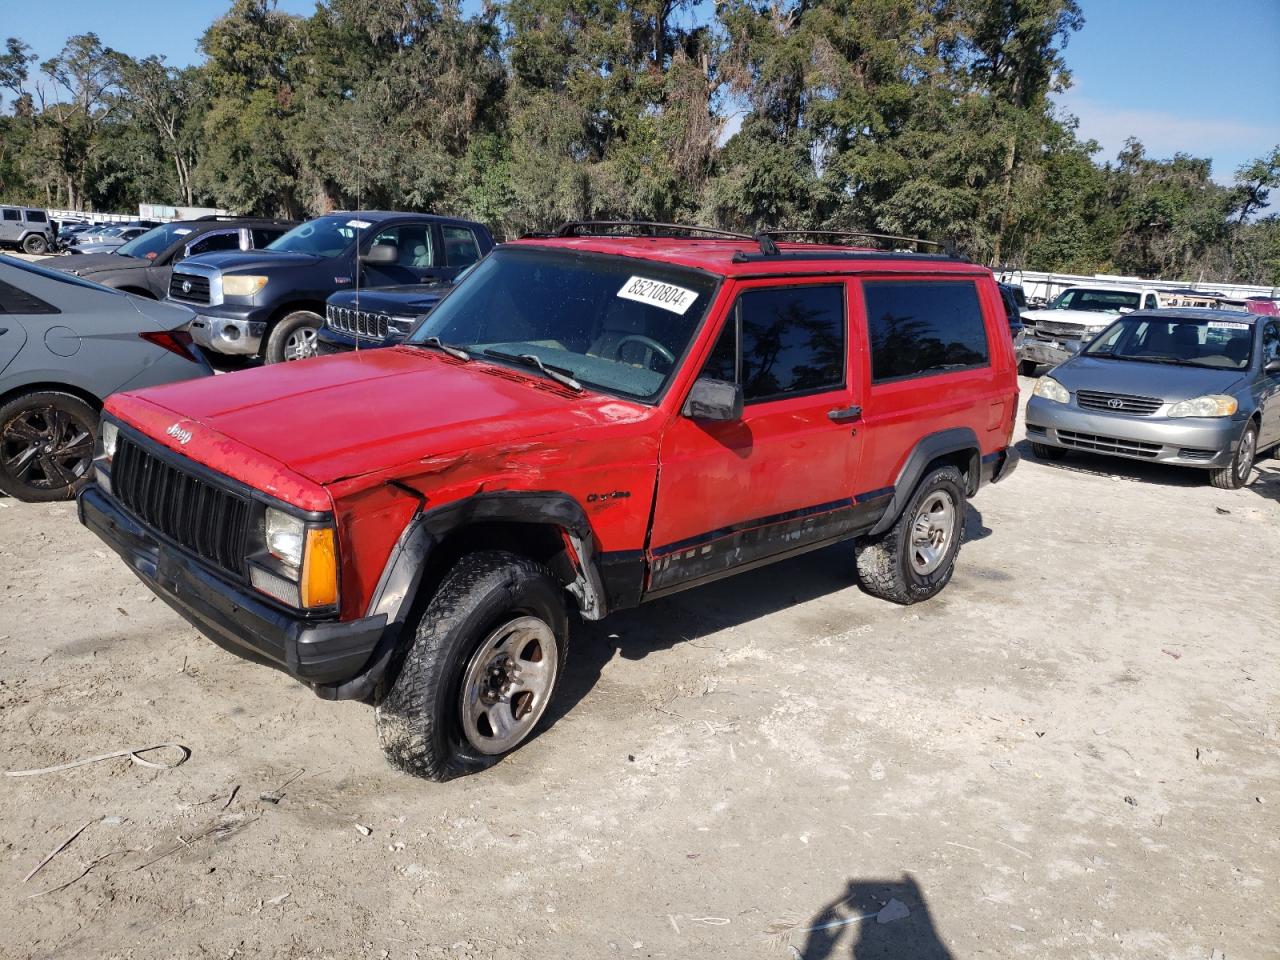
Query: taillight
x=175, y=341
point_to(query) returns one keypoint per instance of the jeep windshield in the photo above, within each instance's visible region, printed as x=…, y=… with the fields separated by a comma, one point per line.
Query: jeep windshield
x=321, y=237
x=1221, y=344
x=1101, y=301
x=612, y=323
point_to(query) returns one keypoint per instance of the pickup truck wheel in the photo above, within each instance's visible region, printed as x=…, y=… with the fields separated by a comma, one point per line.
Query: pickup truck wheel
x=46, y=445
x=484, y=662
x=1236, y=474
x=294, y=337
x=1044, y=451
x=35, y=244
x=1028, y=367
x=914, y=559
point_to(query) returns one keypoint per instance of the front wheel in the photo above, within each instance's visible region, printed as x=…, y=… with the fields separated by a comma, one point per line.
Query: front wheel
x=482, y=667
x=1236, y=474
x=915, y=558
x=35, y=245
x=46, y=445
x=293, y=338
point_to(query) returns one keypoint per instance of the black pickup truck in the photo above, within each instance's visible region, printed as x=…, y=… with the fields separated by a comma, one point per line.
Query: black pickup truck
x=272, y=302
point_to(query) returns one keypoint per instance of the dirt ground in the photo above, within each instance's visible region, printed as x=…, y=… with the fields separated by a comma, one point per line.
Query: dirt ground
x=1073, y=752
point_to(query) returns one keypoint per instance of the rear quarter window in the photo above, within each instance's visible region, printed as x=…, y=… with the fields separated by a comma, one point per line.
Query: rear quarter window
x=36, y=216
x=922, y=327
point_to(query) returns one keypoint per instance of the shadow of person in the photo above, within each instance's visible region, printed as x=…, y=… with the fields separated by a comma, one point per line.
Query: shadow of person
x=873, y=920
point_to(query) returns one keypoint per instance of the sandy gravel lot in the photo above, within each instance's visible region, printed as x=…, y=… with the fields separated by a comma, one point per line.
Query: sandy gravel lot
x=1073, y=752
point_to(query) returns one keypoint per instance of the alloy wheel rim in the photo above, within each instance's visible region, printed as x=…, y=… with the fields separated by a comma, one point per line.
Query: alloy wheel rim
x=508, y=683
x=1244, y=458
x=45, y=448
x=300, y=344
x=932, y=532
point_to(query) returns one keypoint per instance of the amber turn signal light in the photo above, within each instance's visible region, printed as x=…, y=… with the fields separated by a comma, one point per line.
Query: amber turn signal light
x=319, y=569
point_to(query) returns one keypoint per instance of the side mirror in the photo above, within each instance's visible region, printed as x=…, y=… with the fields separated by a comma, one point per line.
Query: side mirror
x=714, y=400
x=381, y=254
x=1273, y=367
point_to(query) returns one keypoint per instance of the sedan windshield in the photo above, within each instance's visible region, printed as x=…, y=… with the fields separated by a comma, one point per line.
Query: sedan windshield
x=612, y=323
x=149, y=245
x=1223, y=344
x=322, y=237
x=1102, y=301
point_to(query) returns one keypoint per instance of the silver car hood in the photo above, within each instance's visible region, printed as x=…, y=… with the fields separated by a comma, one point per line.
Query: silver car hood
x=1135, y=378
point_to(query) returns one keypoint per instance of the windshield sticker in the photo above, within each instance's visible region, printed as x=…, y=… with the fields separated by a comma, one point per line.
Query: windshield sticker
x=665, y=296
x=1227, y=325
x=359, y=224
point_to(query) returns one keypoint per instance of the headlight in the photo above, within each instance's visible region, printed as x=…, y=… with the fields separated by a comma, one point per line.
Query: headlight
x=1214, y=405
x=110, y=435
x=285, y=535
x=1096, y=329
x=1051, y=389
x=242, y=286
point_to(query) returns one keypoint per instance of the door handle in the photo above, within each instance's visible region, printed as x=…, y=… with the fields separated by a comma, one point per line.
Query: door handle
x=845, y=413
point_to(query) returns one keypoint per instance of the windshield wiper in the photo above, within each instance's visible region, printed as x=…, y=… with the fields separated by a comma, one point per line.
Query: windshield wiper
x=531, y=360
x=452, y=351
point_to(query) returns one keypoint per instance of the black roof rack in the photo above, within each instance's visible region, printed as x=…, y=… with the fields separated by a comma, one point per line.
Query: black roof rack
x=587, y=228
x=769, y=248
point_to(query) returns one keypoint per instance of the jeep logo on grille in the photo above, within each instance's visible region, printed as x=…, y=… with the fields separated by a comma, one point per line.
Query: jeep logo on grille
x=1115, y=403
x=182, y=436
x=186, y=286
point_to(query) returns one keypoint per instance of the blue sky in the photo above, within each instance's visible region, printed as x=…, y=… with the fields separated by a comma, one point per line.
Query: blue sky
x=1180, y=75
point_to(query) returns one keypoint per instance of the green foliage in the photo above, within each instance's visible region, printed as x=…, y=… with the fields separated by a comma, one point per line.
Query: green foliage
x=927, y=118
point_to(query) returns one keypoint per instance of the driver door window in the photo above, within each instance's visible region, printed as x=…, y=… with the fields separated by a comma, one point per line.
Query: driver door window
x=415, y=253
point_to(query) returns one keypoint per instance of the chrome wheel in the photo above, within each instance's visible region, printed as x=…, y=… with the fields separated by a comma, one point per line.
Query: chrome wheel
x=300, y=344
x=508, y=683
x=46, y=448
x=931, y=532
x=1246, y=453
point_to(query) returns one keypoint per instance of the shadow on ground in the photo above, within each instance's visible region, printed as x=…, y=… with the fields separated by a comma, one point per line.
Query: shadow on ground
x=870, y=920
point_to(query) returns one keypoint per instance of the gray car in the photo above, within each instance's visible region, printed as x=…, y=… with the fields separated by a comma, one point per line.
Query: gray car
x=65, y=344
x=1194, y=388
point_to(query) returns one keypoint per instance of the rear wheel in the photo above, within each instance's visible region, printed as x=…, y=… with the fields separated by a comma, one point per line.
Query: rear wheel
x=915, y=558
x=1236, y=474
x=46, y=445
x=1028, y=367
x=294, y=337
x=1045, y=452
x=35, y=244
x=483, y=664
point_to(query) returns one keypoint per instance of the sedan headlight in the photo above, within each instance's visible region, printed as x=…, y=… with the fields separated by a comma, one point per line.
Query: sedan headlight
x=110, y=434
x=242, y=286
x=1051, y=389
x=1214, y=405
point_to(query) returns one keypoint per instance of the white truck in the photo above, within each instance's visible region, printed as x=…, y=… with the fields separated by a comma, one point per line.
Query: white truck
x=1077, y=315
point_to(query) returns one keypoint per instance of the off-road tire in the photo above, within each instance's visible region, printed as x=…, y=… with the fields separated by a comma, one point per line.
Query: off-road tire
x=291, y=323
x=1027, y=368
x=1236, y=474
x=883, y=561
x=1044, y=451
x=77, y=412
x=418, y=714
x=35, y=244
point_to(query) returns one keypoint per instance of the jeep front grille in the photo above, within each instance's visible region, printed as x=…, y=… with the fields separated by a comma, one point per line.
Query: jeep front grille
x=206, y=519
x=1089, y=441
x=1118, y=403
x=189, y=288
x=358, y=323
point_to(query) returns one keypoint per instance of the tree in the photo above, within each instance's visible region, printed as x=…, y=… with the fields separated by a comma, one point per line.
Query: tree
x=13, y=66
x=170, y=102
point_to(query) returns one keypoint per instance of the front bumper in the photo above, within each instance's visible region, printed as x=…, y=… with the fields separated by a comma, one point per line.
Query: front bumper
x=323, y=653
x=1050, y=350
x=234, y=335
x=1189, y=442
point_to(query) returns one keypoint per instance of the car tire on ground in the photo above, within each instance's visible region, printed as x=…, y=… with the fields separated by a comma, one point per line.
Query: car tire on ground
x=293, y=338
x=46, y=445
x=1027, y=368
x=1045, y=452
x=1236, y=474
x=914, y=559
x=484, y=661
x=35, y=245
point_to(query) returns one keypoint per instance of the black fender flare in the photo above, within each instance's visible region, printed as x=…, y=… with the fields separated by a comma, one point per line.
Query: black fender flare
x=928, y=449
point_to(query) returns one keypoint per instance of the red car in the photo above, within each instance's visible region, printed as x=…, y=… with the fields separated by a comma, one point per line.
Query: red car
x=588, y=420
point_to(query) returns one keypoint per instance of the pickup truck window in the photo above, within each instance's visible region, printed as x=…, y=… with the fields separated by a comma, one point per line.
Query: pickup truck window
x=1110, y=301
x=920, y=327
x=153, y=242
x=321, y=237
x=412, y=240
x=613, y=323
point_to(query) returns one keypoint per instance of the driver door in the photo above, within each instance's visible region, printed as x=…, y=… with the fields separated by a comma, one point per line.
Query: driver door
x=732, y=494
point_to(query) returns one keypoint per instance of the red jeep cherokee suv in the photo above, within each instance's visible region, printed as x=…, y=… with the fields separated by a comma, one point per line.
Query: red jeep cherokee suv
x=591, y=419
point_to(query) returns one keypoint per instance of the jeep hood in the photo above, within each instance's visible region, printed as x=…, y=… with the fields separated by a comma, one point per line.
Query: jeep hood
x=1166, y=381
x=349, y=415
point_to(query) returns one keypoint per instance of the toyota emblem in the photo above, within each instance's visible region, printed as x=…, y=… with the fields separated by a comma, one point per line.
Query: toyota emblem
x=186, y=286
x=1115, y=403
